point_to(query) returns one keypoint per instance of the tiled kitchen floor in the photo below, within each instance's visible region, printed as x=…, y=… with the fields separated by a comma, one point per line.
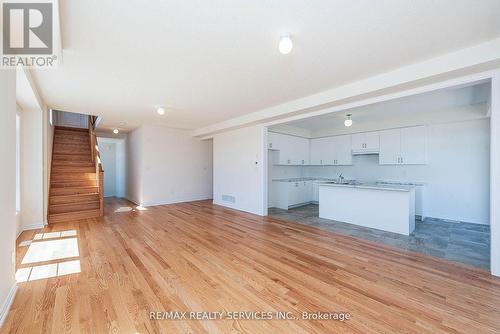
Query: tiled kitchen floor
x=461, y=242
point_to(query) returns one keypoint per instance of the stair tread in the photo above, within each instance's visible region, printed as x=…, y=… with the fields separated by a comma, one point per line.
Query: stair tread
x=75, y=195
x=77, y=215
x=92, y=201
x=74, y=212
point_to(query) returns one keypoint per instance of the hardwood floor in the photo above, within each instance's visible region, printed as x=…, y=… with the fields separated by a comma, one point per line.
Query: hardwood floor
x=202, y=257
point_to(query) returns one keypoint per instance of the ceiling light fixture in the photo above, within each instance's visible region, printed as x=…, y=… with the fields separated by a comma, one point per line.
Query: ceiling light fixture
x=160, y=111
x=348, y=121
x=286, y=44
x=115, y=131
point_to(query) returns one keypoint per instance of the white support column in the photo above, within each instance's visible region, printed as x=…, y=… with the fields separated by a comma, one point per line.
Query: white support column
x=495, y=175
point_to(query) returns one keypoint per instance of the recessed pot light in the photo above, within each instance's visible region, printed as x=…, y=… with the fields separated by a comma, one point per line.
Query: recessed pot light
x=286, y=44
x=115, y=131
x=160, y=111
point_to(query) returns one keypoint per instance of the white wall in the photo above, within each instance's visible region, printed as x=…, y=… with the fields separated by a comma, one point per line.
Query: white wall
x=456, y=177
x=113, y=156
x=177, y=166
x=32, y=169
x=70, y=119
x=7, y=189
x=166, y=165
x=240, y=161
x=134, y=166
x=107, y=153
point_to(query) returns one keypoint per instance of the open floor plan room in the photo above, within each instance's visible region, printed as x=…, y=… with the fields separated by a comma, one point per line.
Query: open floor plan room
x=202, y=257
x=250, y=167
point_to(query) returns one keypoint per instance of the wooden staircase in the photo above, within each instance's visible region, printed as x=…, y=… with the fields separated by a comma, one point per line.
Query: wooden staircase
x=76, y=178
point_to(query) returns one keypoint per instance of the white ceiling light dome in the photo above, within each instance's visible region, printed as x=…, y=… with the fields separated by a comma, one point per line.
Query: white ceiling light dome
x=160, y=110
x=116, y=131
x=286, y=44
x=348, y=121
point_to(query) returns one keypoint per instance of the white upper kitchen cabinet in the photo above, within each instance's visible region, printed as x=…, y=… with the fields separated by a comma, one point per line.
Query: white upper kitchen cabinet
x=405, y=146
x=390, y=147
x=300, y=151
x=321, y=151
x=365, y=143
x=292, y=150
x=342, y=150
x=273, y=140
x=331, y=151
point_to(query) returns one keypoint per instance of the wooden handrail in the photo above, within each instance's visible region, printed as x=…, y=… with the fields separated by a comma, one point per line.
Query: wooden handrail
x=96, y=158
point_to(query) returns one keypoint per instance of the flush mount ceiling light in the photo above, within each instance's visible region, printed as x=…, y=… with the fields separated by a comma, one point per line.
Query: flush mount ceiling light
x=115, y=131
x=286, y=44
x=348, y=121
x=160, y=110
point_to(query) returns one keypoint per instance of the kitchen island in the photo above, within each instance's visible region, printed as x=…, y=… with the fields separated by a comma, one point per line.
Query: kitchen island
x=384, y=207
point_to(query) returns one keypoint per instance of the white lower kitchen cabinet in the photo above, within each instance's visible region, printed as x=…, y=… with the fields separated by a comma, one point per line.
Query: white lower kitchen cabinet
x=290, y=194
x=315, y=192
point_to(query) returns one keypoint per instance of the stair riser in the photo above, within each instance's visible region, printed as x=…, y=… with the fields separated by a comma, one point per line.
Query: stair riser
x=65, y=208
x=74, y=183
x=72, y=157
x=73, y=169
x=73, y=190
x=72, y=152
x=59, y=218
x=69, y=163
x=73, y=176
x=71, y=132
x=73, y=199
x=71, y=140
x=83, y=146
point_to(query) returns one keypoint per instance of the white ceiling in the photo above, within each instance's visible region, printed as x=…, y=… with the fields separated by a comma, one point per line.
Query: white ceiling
x=452, y=104
x=209, y=61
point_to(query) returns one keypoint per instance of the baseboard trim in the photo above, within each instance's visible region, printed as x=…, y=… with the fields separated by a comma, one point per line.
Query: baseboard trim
x=33, y=226
x=131, y=200
x=227, y=205
x=175, y=201
x=7, y=304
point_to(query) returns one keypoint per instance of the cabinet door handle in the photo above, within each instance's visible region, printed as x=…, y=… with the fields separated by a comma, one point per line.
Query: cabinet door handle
x=401, y=159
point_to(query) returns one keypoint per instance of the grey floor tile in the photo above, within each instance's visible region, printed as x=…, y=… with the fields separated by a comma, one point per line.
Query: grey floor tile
x=455, y=241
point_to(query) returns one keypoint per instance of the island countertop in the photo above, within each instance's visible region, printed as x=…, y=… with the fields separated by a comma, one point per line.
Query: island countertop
x=374, y=186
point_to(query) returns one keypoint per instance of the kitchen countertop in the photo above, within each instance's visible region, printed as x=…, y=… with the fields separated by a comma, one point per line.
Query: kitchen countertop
x=309, y=178
x=375, y=186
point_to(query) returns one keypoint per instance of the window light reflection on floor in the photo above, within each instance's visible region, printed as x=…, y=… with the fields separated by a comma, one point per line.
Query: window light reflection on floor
x=48, y=271
x=50, y=246
x=48, y=250
x=52, y=235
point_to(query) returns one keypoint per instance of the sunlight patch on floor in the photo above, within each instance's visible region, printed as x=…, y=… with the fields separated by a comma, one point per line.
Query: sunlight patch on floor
x=51, y=250
x=53, y=235
x=48, y=271
x=124, y=209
